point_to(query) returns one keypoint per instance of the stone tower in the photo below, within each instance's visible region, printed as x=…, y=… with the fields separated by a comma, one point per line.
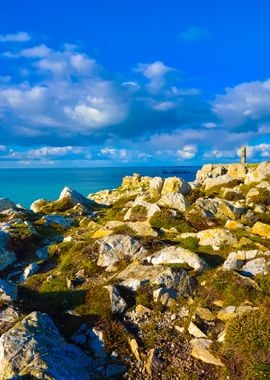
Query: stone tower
x=243, y=154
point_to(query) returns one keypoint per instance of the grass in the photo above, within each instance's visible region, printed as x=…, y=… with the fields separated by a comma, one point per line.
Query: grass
x=138, y=213
x=165, y=219
x=230, y=287
x=247, y=345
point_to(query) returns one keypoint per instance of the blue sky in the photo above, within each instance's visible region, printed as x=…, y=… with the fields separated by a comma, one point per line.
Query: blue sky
x=90, y=83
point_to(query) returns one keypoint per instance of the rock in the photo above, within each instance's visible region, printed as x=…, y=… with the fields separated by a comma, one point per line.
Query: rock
x=57, y=219
x=142, y=310
x=205, y=314
x=113, y=370
x=6, y=204
x=117, y=247
x=225, y=180
x=142, y=229
x=137, y=275
x=97, y=343
x=233, y=225
x=43, y=253
x=6, y=257
x=216, y=238
x=260, y=173
x=200, y=350
x=118, y=304
x=256, y=266
x=175, y=201
x=261, y=229
x=236, y=259
x=166, y=297
x=231, y=312
x=153, y=365
x=195, y=331
x=177, y=255
x=8, y=291
x=34, y=348
x=210, y=171
x=218, y=208
x=29, y=271
x=237, y=171
x=175, y=185
x=135, y=349
x=37, y=205
x=8, y=317
x=76, y=198
x=151, y=209
x=155, y=185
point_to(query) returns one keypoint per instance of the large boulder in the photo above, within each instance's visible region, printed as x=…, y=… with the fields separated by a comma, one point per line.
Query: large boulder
x=210, y=171
x=6, y=204
x=217, y=208
x=237, y=171
x=8, y=291
x=6, y=257
x=225, y=180
x=175, y=185
x=67, y=200
x=155, y=185
x=216, y=238
x=261, y=229
x=115, y=248
x=175, y=201
x=258, y=174
x=136, y=275
x=177, y=255
x=148, y=208
x=34, y=348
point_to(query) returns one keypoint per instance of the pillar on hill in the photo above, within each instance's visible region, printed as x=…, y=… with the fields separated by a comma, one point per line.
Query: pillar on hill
x=243, y=154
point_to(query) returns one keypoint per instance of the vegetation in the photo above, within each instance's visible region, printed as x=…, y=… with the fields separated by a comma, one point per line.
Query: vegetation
x=165, y=219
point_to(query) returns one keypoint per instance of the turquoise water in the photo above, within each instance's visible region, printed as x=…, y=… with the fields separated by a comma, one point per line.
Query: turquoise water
x=26, y=185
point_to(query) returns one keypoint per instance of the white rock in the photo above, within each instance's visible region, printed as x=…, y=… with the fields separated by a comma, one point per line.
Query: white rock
x=118, y=303
x=35, y=348
x=177, y=255
x=175, y=201
x=29, y=271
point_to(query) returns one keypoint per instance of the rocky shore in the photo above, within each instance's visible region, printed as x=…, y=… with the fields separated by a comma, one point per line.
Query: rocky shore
x=157, y=279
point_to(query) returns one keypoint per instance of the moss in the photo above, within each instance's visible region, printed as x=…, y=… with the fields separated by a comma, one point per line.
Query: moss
x=191, y=243
x=144, y=296
x=247, y=345
x=97, y=302
x=138, y=213
x=117, y=210
x=115, y=335
x=124, y=230
x=165, y=219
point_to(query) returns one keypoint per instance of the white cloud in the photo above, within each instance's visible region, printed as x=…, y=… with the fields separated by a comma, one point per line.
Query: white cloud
x=39, y=51
x=245, y=102
x=15, y=37
x=155, y=72
x=216, y=153
x=164, y=106
x=187, y=152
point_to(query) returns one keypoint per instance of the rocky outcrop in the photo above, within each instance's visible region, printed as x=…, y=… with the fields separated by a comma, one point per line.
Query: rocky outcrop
x=6, y=257
x=8, y=291
x=115, y=248
x=216, y=183
x=175, y=201
x=6, y=204
x=175, y=185
x=217, y=238
x=177, y=255
x=34, y=348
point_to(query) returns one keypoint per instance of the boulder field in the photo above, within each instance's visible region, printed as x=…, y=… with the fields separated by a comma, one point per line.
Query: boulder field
x=157, y=279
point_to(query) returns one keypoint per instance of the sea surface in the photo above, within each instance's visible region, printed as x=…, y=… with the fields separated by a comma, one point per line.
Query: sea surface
x=26, y=185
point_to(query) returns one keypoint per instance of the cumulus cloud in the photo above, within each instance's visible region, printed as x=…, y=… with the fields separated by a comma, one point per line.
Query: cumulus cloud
x=156, y=73
x=246, y=104
x=60, y=104
x=15, y=37
x=187, y=152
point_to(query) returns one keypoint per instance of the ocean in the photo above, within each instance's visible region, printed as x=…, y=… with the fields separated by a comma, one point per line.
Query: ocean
x=24, y=186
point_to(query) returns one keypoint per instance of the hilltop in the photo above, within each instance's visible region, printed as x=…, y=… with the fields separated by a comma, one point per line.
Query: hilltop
x=159, y=279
